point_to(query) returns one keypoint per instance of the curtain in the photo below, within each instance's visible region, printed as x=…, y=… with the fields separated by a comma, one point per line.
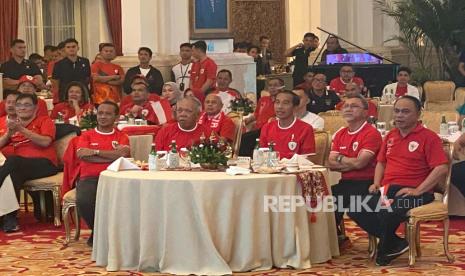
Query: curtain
x=45, y=22
x=113, y=8
x=8, y=26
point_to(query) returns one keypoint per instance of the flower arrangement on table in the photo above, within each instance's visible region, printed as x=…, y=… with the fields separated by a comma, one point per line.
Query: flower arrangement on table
x=244, y=105
x=210, y=153
x=88, y=119
x=131, y=116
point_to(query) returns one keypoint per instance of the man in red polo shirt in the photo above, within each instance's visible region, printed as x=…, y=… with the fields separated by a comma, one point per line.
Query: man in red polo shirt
x=107, y=77
x=354, y=90
x=96, y=149
x=411, y=162
x=289, y=134
x=28, y=86
x=27, y=144
x=226, y=93
x=215, y=119
x=156, y=112
x=346, y=75
x=185, y=131
x=203, y=72
x=353, y=153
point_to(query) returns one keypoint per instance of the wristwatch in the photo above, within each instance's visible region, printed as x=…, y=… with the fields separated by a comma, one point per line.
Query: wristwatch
x=96, y=152
x=339, y=158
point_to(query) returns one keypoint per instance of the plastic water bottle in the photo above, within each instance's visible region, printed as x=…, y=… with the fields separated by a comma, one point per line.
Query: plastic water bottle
x=153, y=166
x=443, y=128
x=173, y=157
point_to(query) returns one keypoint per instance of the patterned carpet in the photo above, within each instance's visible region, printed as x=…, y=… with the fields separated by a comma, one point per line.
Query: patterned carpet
x=38, y=250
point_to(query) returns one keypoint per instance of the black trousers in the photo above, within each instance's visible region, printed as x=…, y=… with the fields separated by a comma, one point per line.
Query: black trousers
x=86, y=192
x=458, y=176
x=22, y=169
x=383, y=222
x=346, y=188
x=248, y=142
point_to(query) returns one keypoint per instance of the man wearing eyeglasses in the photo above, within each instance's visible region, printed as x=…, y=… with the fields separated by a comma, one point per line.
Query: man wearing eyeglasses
x=346, y=75
x=353, y=90
x=353, y=153
x=27, y=145
x=321, y=99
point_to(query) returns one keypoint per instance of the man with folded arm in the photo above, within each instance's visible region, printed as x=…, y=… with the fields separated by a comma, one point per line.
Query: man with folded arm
x=411, y=162
x=353, y=153
x=96, y=149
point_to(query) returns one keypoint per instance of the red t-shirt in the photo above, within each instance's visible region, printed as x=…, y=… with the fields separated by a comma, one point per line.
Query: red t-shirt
x=182, y=137
x=372, y=109
x=201, y=72
x=41, y=108
x=156, y=112
x=220, y=124
x=297, y=138
x=94, y=139
x=401, y=91
x=68, y=111
x=104, y=91
x=22, y=146
x=264, y=111
x=339, y=86
x=351, y=144
x=410, y=159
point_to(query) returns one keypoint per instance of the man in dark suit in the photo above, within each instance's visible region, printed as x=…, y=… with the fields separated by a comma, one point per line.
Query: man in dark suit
x=152, y=74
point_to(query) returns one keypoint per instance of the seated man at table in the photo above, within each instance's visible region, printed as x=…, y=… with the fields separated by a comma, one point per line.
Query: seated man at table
x=321, y=99
x=216, y=120
x=346, y=75
x=411, y=162
x=156, y=112
x=265, y=106
x=26, y=142
x=353, y=153
x=289, y=134
x=354, y=90
x=308, y=79
x=96, y=149
x=226, y=94
x=402, y=87
x=301, y=111
x=185, y=131
x=27, y=85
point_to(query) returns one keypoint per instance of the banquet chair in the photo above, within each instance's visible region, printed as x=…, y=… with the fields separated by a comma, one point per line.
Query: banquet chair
x=439, y=90
x=238, y=122
x=460, y=96
x=432, y=119
x=51, y=183
x=322, y=147
x=438, y=210
x=440, y=106
x=333, y=120
x=251, y=96
x=69, y=203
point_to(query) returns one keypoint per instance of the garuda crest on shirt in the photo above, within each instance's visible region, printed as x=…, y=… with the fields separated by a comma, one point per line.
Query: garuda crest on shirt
x=412, y=146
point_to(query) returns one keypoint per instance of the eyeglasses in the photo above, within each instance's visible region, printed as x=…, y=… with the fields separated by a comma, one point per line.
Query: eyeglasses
x=26, y=105
x=351, y=106
x=319, y=80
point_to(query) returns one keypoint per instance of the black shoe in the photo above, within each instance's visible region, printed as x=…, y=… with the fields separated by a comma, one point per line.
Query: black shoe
x=400, y=248
x=90, y=241
x=10, y=223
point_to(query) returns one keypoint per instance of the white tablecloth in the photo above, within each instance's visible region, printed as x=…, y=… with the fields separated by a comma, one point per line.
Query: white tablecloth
x=204, y=223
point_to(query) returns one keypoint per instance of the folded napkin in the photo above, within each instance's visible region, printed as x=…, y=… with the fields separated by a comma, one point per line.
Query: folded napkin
x=234, y=170
x=300, y=160
x=122, y=164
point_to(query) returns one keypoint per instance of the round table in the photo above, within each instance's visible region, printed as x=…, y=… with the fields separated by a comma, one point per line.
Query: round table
x=204, y=223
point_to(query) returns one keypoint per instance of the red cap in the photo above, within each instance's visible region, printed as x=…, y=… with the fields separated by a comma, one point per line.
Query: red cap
x=26, y=78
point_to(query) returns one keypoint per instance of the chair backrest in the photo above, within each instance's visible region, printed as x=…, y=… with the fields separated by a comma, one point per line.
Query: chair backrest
x=251, y=96
x=140, y=146
x=322, y=147
x=333, y=120
x=440, y=106
x=61, y=145
x=460, y=96
x=439, y=90
x=443, y=186
x=432, y=119
x=238, y=121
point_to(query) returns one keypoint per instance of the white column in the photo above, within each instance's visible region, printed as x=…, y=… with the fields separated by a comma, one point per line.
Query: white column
x=363, y=27
x=94, y=27
x=161, y=25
